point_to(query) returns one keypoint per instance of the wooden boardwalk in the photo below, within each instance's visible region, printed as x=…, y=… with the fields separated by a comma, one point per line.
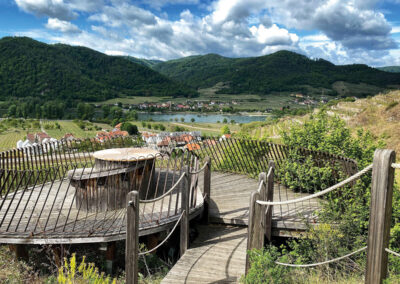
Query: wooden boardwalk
x=49, y=214
x=230, y=198
x=218, y=255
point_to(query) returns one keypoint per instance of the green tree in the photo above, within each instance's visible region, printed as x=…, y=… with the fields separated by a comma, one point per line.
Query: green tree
x=130, y=128
x=192, y=120
x=225, y=130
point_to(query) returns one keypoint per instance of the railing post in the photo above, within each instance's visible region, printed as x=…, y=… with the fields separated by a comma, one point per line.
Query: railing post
x=255, y=236
x=184, y=234
x=269, y=197
x=132, y=237
x=207, y=190
x=380, y=215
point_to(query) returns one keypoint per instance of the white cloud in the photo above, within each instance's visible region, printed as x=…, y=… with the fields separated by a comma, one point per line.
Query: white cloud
x=62, y=26
x=343, y=31
x=52, y=8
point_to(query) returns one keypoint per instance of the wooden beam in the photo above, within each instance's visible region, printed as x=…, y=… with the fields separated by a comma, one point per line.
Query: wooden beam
x=380, y=216
x=269, y=197
x=207, y=190
x=110, y=257
x=255, y=239
x=184, y=232
x=132, y=237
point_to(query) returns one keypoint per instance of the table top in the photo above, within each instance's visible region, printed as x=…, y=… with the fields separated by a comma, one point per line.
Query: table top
x=126, y=154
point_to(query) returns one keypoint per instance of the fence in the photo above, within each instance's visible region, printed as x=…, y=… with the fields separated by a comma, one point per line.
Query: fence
x=55, y=193
x=187, y=181
x=250, y=157
x=261, y=204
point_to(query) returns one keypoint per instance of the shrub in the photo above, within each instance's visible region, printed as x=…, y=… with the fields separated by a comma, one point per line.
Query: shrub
x=84, y=273
x=130, y=128
x=225, y=130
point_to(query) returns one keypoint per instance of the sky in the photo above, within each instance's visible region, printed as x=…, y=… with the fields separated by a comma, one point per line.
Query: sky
x=343, y=32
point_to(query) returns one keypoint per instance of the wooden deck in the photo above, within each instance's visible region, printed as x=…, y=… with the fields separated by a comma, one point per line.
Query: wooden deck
x=48, y=214
x=230, y=197
x=218, y=255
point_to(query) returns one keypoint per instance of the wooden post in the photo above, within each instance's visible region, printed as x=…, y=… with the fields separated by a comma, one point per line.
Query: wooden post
x=207, y=190
x=269, y=197
x=21, y=253
x=132, y=237
x=110, y=257
x=380, y=216
x=184, y=234
x=255, y=236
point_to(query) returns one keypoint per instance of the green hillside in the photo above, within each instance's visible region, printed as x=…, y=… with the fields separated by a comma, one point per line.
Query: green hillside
x=29, y=68
x=142, y=61
x=393, y=69
x=278, y=72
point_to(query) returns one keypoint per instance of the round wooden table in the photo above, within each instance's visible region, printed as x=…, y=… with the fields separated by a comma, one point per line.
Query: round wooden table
x=115, y=173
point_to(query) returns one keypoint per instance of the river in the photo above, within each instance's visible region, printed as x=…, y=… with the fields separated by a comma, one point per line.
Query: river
x=202, y=118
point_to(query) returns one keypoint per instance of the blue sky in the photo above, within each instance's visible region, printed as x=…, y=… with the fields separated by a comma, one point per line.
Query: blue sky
x=347, y=31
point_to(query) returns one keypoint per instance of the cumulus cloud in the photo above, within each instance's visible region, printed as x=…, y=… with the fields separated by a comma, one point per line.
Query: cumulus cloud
x=62, y=26
x=346, y=30
x=52, y=8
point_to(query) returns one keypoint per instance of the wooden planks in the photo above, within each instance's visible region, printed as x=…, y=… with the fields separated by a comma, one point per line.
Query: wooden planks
x=230, y=197
x=218, y=255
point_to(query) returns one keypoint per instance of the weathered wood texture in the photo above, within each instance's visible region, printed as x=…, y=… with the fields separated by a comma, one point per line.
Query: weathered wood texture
x=269, y=197
x=48, y=214
x=380, y=216
x=218, y=255
x=185, y=192
x=132, y=238
x=230, y=194
x=207, y=190
x=255, y=230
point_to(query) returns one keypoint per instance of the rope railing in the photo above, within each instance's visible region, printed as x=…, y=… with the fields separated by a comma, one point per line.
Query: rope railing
x=392, y=252
x=395, y=166
x=199, y=170
x=165, y=194
x=320, y=193
x=166, y=238
x=323, y=262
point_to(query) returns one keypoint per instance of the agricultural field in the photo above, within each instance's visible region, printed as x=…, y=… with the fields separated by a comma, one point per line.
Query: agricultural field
x=207, y=129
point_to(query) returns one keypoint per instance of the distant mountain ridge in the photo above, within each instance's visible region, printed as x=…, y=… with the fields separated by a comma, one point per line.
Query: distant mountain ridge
x=280, y=71
x=29, y=68
x=393, y=69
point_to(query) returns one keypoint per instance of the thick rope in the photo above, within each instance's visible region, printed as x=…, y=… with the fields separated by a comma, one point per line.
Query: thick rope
x=165, y=194
x=324, y=262
x=167, y=237
x=260, y=186
x=325, y=191
x=200, y=170
x=392, y=252
x=395, y=166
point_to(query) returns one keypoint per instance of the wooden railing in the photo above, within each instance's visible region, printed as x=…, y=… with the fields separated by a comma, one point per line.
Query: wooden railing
x=187, y=184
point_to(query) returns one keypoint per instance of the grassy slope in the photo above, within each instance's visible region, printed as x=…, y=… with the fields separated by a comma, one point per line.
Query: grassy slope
x=9, y=138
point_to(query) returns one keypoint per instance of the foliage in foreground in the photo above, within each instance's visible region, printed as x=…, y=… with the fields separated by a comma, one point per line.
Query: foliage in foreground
x=347, y=208
x=84, y=273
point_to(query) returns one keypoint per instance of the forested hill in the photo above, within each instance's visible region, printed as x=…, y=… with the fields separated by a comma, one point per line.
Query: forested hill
x=280, y=71
x=393, y=69
x=29, y=68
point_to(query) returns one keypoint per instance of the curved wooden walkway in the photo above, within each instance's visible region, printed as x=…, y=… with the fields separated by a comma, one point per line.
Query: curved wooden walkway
x=218, y=255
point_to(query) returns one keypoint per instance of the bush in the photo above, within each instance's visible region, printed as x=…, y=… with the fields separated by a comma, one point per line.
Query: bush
x=225, y=130
x=84, y=273
x=263, y=268
x=130, y=128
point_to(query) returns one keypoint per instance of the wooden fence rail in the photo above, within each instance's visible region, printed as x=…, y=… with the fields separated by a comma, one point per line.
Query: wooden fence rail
x=132, y=220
